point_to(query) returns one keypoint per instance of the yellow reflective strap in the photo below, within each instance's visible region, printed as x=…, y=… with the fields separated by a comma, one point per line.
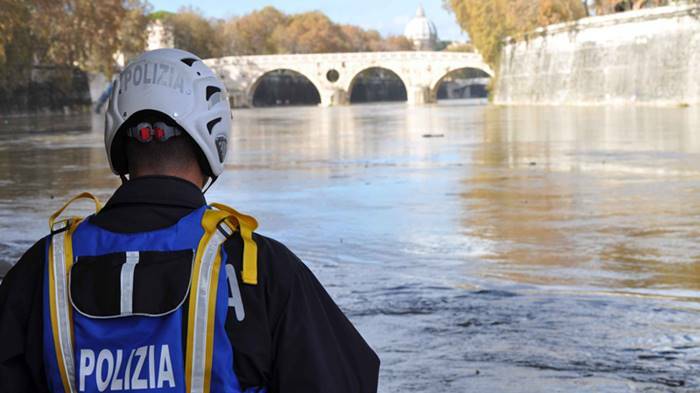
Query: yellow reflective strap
x=246, y=226
x=213, y=286
x=84, y=195
x=191, y=319
x=202, y=304
x=60, y=262
x=249, y=221
x=201, y=320
x=250, y=256
x=54, y=321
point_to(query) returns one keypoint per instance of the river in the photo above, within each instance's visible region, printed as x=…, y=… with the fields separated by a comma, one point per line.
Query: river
x=476, y=248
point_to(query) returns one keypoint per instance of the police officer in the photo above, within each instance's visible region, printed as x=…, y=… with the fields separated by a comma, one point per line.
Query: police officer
x=160, y=291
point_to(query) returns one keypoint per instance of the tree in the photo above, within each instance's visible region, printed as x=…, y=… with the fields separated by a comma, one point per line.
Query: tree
x=484, y=21
x=82, y=33
x=270, y=31
x=489, y=22
x=310, y=32
x=252, y=34
x=194, y=33
x=69, y=33
x=12, y=12
x=358, y=40
x=460, y=47
x=394, y=43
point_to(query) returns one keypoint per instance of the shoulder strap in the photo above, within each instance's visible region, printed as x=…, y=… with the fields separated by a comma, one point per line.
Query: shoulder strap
x=246, y=225
x=54, y=225
x=218, y=223
x=60, y=260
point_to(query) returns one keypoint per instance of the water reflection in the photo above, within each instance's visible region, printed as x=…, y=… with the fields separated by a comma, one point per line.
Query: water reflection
x=43, y=161
x=588, y=196
x=457, y=237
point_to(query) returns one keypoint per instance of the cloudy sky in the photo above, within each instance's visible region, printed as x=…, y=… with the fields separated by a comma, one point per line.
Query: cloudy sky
x=387, y=16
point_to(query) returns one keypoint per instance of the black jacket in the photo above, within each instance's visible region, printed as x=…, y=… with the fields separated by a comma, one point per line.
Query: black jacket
x=294, y=338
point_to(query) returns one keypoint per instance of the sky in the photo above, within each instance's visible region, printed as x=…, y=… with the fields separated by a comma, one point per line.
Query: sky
x=387, y=16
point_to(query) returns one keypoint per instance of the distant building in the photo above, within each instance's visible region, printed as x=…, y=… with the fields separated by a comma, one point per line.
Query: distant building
x=421, y=31
x=159, y=36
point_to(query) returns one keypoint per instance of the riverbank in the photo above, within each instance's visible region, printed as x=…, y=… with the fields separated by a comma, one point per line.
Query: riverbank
x=647, y=57
x=44, y=91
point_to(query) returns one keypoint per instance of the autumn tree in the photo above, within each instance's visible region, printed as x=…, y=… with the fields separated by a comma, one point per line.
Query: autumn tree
x=12, y=13
x=64, y=34
x=489, y=22
x=360, y=40
x=72, y=32
x=270, y=31
x=392, y=43
x=310, y=32
x=461, y=47
x=193, y=32
x=252, y=34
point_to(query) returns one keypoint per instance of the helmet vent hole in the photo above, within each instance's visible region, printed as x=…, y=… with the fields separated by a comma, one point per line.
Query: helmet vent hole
x=211, y=90
x=199, y=73
x=188, y=61
x=124, y=114
x=212, y=123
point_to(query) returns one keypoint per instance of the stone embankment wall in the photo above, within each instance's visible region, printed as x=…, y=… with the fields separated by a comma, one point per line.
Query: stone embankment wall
x=45, y=90
x=649, y=56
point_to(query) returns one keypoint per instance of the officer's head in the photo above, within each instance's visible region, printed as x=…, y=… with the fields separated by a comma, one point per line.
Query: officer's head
x=153, y=144
x=168, y=114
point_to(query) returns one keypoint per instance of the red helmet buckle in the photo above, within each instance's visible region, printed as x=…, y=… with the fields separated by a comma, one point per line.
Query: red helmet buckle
x=159, y=133
x=145, y=134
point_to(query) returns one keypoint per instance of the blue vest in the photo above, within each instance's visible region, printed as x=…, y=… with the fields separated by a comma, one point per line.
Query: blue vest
x=143, y=311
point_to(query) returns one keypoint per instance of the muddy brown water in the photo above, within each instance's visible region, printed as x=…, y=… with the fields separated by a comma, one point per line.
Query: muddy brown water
x=477, y=248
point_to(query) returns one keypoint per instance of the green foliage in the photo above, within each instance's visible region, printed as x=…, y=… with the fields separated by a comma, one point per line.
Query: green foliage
x=159, y=15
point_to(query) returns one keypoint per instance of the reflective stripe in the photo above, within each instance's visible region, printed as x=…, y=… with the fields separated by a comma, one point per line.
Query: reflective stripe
x=60, y=309
x=221, y=235
x=200, y=340
x=235, y=301
x=61, y=260
x=127, y=282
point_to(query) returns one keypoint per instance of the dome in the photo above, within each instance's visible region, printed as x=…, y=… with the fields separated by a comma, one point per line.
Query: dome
x=421, y=31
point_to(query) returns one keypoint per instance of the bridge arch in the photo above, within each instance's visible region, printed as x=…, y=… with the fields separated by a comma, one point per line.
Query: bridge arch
x=392, y=71
x=420, y=72
x=484, y=72
x=260, y=78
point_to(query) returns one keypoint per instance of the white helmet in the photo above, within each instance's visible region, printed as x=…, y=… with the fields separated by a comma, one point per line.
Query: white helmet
x=179, y=85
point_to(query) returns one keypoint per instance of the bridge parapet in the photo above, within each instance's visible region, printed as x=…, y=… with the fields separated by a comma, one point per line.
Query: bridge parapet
x=420, y=72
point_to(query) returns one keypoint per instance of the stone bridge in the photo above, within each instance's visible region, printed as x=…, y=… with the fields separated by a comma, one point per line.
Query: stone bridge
x=333, y=74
